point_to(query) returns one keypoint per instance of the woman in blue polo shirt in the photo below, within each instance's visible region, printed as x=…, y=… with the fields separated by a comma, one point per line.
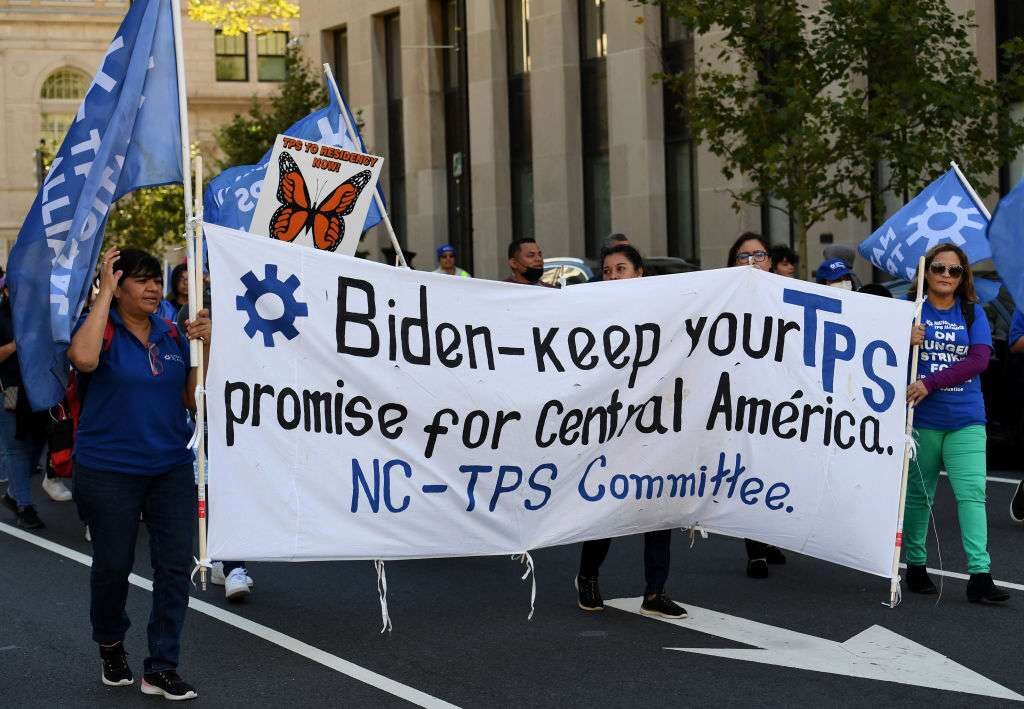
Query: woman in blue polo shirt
x=949, y=421
x=131, y=458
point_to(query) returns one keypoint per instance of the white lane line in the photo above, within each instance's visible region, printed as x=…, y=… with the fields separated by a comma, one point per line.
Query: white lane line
x=991, y=478
x=287, y=642
x=965, y=577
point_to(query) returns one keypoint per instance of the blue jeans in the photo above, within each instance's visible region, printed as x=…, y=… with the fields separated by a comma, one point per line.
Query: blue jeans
x=18, y=459
x=110, y=503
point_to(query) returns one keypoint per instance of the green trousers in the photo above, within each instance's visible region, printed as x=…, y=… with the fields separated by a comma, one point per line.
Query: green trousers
x=963, y=452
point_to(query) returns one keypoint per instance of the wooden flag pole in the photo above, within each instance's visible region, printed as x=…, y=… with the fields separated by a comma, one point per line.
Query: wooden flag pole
x=196, y=276
x=399, y=256
x=894, y=581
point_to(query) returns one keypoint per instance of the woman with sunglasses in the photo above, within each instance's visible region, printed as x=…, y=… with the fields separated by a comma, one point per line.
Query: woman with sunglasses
x=618, y=263
x=131, y=458
x=751, y=249
x=949, y=420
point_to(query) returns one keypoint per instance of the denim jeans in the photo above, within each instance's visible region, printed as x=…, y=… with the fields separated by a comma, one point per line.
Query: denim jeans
x=18, y=459
x=110, y=503
x=657, y=547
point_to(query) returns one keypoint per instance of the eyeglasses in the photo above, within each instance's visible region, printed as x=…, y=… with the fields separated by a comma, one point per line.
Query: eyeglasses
x=747, y=257
x=156, y=366
x=939, y=268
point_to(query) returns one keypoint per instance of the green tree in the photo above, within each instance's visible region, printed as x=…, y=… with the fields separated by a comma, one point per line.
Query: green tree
x=245, y=139
x=806, y=101
x=150, y=219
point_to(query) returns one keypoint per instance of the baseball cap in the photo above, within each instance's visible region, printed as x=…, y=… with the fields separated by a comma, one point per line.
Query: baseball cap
x=832, y=270
x=445, y=249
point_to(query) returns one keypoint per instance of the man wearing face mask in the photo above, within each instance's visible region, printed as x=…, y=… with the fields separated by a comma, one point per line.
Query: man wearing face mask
x=526, y=262
x=834, y=272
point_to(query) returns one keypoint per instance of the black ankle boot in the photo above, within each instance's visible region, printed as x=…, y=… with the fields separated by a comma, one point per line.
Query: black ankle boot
x=918, y=580
x=980, y=589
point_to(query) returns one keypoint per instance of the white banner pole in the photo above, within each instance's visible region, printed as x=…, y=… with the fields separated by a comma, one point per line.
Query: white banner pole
x=200, y=397
x=399, y=256
x=186, y=178
x=894, y=582
x=970, y=190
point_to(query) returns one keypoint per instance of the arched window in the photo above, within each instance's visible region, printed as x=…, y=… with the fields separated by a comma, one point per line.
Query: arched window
x=61, y=95
x=65, y=85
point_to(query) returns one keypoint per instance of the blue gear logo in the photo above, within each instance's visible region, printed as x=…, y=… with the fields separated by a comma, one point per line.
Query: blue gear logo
x=285, y=290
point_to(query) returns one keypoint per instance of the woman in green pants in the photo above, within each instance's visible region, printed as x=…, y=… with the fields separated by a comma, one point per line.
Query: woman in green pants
x=949, y=421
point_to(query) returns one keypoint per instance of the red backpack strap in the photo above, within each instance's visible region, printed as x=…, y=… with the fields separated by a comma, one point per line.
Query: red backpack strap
x=108, y=335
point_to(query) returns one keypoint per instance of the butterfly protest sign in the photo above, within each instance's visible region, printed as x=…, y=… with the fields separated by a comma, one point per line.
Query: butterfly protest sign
x=316, y=195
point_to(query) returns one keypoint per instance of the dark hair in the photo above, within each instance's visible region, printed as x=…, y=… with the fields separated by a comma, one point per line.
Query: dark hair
x=876, y=289
x=745, y=236
x=513, y=248
x=135, y=263
x=172, y=287
x=780, y=253
x=964, y=291
x=630, y=252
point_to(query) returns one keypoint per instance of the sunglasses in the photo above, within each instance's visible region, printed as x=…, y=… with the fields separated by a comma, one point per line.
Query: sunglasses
x=954, y=271
x=156, y=366
x=746, y=257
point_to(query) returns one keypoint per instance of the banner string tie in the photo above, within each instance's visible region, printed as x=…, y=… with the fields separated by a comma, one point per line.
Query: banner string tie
x=382, y=592
x=527, y=561
x=897, y=597
x=203, y=563
x=694, y=531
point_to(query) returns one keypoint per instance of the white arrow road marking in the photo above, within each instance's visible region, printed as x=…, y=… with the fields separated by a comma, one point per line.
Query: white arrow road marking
x=876, y=653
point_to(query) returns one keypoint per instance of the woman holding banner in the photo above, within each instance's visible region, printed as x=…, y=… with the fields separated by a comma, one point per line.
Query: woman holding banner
x=620, y=262
x=949, y=420
x=132, y=458
x=751, y=249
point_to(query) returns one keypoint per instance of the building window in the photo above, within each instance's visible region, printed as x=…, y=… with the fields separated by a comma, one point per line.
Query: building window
x=339, y=57
x=61, y=94
x=594, y=103
x=517, y=28
x=396, y=134
x=1009, y=25
x=232, y=57
x=271, y=48
x=677, y=55
x=456, y=128
x=65, y=85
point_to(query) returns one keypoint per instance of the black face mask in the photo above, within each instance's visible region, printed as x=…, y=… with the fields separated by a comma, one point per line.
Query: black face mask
x=533, y=274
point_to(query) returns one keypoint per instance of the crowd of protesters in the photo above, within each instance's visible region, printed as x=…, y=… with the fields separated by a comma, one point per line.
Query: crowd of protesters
x=131, y=355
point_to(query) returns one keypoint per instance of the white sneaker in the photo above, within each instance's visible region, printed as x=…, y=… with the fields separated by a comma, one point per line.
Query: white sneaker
x=217, y=573
x=236, y=585
x=56, y=489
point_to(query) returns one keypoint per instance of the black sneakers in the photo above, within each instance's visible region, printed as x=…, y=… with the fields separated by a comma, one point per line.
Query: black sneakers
x=774, y=556
x=29, y=519
x=168, y=685
x=116, y=672
x=757, y=568
x=588, y=594
x=10, y=504
x=918, y=580
x=1017, y=503
x=663, y=607
x=980, y=589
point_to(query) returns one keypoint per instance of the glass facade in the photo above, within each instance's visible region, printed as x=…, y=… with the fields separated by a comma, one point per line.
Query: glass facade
x=680, y=191
x=396, y=136
x=456, y=129
x=594, y=105
x=517, y=27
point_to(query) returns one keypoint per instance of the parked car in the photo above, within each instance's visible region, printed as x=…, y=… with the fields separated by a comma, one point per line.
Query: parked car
x=1002, y=383
x=663, y=265
x=566, y=271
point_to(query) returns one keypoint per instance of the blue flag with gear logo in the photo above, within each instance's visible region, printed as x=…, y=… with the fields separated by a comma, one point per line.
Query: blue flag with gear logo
x=1006, y=235
x=944, y=212
x=124, y=136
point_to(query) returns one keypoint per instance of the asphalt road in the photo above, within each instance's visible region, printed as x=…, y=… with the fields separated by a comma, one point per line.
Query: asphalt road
x=309, y=635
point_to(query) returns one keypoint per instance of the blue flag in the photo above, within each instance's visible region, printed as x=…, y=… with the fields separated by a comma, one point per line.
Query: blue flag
x=943, y=212
x=230, y=198
x=1006, y=236
x=125, y=136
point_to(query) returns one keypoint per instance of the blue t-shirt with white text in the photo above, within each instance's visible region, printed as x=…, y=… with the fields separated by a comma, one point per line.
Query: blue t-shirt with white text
x=946, y=342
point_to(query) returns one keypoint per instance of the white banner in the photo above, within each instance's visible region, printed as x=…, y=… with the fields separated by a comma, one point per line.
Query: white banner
x=316, y=195
x=359, y=411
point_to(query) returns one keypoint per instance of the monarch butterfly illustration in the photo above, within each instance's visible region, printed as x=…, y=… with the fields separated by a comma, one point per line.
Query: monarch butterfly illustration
x=296, y=214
